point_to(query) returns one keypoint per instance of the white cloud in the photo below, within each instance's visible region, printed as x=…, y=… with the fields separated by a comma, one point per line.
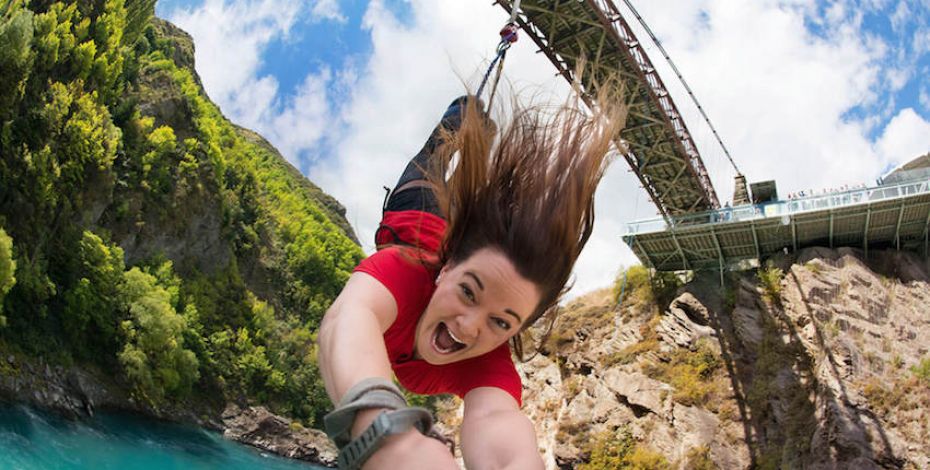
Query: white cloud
x=328, y=10
x=231, y=37
x=907, y=136
x=304, y=120
x=900, y=16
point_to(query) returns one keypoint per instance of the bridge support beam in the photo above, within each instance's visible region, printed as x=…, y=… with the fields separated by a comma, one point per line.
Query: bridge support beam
x=831, y=229
x=645, y=253
x=719, y=254
x=897, y=229
x=755, y=242
x=927, y=235
x=684, y=259
x=865, y=232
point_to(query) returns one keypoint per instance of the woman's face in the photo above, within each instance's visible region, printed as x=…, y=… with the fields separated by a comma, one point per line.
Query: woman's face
x=478, y=305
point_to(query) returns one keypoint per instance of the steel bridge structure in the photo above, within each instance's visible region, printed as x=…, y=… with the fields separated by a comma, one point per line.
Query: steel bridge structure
x=655, y=141
x=693, y=231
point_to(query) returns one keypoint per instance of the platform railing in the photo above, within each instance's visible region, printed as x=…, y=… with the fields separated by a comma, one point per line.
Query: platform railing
x=783, y=208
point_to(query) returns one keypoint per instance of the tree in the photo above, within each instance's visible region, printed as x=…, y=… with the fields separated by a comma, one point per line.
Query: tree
x=15, y=59
x=7, y=270
x=153, y=357
x=93, y=302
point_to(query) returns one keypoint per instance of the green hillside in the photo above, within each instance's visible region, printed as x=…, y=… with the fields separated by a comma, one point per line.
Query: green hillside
x=144, y=234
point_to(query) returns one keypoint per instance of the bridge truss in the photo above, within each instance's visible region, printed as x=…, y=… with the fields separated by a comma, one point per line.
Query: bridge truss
x=655, y=142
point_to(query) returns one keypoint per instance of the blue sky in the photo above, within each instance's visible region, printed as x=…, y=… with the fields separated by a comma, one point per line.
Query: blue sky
x=812, y=93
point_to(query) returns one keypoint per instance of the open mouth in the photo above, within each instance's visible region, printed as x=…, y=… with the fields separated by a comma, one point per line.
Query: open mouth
x=444, y=341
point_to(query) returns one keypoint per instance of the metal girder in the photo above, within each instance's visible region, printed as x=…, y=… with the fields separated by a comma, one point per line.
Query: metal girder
x=558, y=41
x=927, y=234
x=897, y=229
x=719, y=253
x=646, y=125
x=794, y=235
x=654, y=150
x=565, y=30
x=831, y=229
x=644, y=252
x=684, y=259
x=865, y=232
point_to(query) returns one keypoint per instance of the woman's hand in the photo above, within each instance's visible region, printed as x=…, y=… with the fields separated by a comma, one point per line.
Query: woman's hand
x=496, y=434
x=411, y=450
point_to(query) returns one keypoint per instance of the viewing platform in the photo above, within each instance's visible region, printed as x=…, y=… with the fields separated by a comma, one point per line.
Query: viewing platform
x=896, y=213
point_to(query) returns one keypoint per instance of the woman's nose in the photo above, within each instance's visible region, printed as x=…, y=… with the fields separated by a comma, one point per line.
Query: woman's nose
x=469, y=324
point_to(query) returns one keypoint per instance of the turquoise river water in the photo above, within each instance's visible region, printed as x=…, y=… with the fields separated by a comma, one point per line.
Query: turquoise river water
x=31, y=439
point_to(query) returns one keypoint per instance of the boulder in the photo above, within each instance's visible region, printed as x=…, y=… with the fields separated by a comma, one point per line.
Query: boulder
x=639, y=392
x=258, y=427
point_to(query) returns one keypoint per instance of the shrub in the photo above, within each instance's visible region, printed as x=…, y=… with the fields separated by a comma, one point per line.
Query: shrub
x=698, y=458
x=691, y=373
x=814, y=267
x=922, y=370
x=7, y=270
x=770, y=279
x=619, y=450
x=153, y=356
x=638, y=287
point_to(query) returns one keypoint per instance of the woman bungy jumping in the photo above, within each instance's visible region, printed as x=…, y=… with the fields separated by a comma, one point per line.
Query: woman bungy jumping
x=465, y=265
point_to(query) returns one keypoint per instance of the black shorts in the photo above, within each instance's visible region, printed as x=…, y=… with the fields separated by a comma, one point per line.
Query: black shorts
x=418, y=198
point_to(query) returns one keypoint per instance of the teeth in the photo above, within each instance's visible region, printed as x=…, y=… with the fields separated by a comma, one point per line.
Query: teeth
x=454, y=338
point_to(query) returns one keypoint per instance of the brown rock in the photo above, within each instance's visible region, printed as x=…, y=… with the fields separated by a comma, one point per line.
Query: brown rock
x=258, y=427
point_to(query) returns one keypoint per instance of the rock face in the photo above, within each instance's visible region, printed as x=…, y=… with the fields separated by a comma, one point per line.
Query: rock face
x=817, y=375
x=72, y=392
x=76, y=392
x=259, y=428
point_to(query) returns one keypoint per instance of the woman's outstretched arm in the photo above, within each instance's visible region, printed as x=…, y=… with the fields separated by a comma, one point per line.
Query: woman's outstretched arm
x=351, y=349
x=496, y=434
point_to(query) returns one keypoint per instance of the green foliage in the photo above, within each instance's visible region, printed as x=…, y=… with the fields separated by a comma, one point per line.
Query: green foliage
x=15, y=59
x=814, y=267
x=698, y=458
x=74, y=142
x=691, y=373
x=922, y=370
x=138, y=15
x=153, y=356
x=619, y=450
x=93, y=302
x=7, y=270
x=651, y=290
x=770, y=278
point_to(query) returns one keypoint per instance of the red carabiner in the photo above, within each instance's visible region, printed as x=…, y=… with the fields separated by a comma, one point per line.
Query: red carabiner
x=509, y=32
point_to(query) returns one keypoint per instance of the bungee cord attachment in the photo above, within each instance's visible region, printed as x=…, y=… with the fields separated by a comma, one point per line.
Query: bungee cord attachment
x=508, y=36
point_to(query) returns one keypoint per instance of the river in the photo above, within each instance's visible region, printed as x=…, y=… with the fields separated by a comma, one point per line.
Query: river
x=31, y=439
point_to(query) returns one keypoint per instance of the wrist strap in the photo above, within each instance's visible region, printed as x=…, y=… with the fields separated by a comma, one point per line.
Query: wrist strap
x=388, y=423
x=373, y=392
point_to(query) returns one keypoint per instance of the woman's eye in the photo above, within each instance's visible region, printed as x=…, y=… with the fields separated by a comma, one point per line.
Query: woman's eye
x=502, y=324
x=468, y=293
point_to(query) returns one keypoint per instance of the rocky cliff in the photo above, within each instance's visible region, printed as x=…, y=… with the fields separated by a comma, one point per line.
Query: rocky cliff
x=814, y=365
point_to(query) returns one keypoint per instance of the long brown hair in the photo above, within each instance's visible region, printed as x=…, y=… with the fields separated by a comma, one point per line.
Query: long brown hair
x=529, y=193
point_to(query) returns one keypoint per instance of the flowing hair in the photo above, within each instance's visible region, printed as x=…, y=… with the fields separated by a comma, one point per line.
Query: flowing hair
x=529, y=193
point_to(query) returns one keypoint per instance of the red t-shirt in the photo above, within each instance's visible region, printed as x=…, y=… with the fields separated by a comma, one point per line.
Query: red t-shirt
x=412, y=283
